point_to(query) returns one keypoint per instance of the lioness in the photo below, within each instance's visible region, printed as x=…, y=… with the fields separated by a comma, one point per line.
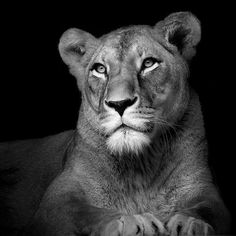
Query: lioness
x=137, y=162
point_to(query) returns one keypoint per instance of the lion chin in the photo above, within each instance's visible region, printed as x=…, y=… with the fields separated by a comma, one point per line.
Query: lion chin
x=127, y=140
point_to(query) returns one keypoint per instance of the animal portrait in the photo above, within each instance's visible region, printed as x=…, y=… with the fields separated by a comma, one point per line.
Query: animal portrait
x=137, y=161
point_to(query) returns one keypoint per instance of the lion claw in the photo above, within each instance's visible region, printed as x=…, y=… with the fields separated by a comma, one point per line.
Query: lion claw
x=136, y=225
x=183, y=225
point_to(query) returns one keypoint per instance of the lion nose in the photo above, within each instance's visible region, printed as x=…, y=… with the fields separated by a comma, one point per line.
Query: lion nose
x=121, y=105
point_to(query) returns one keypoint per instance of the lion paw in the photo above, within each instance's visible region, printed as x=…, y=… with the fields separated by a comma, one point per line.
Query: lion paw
x=183, y=225
x=145, y=225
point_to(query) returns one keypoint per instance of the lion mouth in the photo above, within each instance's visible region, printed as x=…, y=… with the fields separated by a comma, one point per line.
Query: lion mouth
x=125, y=127
x=127, y=139
x=112, y=123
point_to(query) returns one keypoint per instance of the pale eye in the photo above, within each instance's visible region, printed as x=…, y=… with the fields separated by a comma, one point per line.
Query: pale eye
x=149, y=64
x=99, y=70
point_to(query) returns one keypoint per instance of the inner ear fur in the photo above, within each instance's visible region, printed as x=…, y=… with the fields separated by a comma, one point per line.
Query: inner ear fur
x=74, y=45
x=183, y=30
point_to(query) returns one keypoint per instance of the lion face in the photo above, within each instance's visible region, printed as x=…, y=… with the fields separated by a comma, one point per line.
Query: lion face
x=134, y=80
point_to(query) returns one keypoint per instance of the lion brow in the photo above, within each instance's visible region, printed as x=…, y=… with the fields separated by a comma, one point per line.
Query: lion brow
x=125, y=42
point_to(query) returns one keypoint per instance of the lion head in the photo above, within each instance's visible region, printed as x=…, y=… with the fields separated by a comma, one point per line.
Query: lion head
x=133, y=80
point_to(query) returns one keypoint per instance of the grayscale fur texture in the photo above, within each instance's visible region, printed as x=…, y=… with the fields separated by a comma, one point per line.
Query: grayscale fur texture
x=80, y=183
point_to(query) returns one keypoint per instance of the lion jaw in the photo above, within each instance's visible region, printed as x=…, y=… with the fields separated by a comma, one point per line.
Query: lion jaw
x=127, y=140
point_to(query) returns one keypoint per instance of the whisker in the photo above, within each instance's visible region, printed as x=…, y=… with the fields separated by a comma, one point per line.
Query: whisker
x=167, y=129
x=164, y=138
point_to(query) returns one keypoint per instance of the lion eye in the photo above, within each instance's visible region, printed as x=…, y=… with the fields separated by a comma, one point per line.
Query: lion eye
x=149, y=64
x=99, y=70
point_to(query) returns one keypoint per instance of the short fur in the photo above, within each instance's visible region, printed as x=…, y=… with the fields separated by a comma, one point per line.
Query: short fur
x=139, y=171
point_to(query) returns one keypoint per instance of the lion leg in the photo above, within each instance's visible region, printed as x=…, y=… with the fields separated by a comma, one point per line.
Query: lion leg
x=207, y=216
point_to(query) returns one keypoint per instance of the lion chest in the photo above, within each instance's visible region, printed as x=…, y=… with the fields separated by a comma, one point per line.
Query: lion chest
x=137, y=199
x=127, y=194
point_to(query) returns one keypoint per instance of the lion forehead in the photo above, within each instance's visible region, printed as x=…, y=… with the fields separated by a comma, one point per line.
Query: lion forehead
x=132, y=41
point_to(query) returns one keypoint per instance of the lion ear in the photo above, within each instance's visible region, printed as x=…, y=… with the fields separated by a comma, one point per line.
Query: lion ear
x=183, y=30
x=74, y=45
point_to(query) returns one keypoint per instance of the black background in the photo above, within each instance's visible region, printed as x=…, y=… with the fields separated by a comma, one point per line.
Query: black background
x=38, y=96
